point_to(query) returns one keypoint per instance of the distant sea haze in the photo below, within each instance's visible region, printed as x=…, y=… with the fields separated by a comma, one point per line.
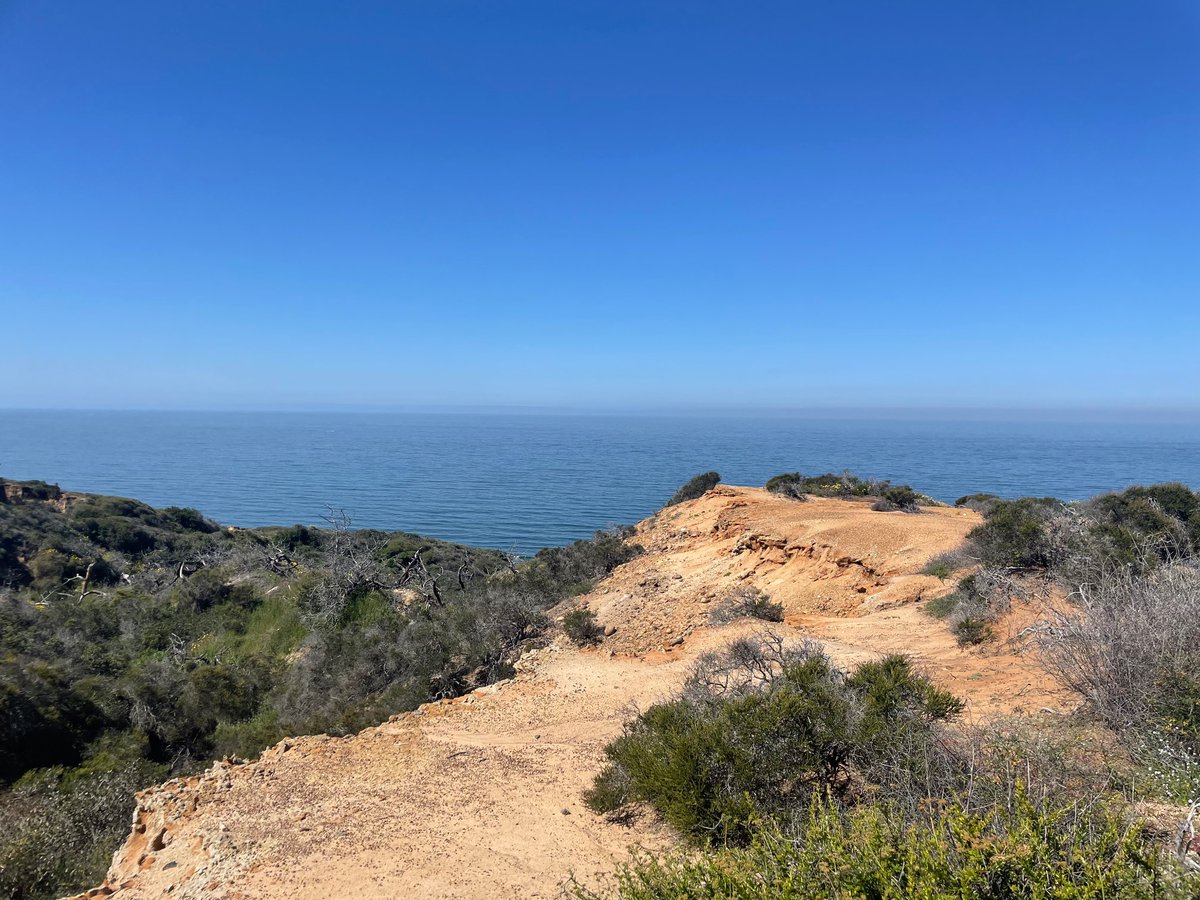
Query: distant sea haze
x=523, y=482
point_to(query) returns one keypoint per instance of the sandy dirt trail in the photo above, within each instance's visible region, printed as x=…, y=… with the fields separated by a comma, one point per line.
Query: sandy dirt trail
x=480, y=797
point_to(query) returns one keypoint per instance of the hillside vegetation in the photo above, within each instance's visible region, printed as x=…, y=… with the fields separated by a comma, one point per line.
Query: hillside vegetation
x=138, y=644
x=686, y=697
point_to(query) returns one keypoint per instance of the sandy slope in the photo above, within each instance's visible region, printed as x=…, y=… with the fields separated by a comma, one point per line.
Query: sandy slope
x=480, y=796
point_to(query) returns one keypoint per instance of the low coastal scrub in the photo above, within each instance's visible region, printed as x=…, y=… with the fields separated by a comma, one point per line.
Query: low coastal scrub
x=1133, y=530
x=888, y=497
x=953, y=853
x=980, y=503
x=1084, y=548
x=798, y=486
x=1015, y=534
x=137, y=644
x=1130, y=646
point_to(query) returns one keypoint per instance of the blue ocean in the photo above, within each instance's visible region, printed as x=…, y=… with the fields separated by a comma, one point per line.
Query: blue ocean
x=523, y=482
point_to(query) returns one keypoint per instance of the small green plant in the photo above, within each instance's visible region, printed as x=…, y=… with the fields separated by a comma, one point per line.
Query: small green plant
x=972, y=630
x=977, y=604
x=942, y=607
x=946, y=564
x=581, y=627
x=695, y=488
x=748, y=602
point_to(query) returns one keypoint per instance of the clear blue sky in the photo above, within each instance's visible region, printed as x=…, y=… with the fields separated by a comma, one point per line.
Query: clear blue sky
x=218, y=204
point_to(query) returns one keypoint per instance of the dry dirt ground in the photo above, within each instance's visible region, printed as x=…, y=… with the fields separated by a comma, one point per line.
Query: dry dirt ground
x=480, y=797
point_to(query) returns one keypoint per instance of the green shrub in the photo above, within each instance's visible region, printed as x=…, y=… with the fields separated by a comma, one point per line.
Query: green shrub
x=695, y=488
x=559, y=572
x=207, y=645
x=581, y=627
x=248, y=737
x=760, y=730
x=1019, y=852
x=207, y=588
x=946, y=564
x=295, y=537
x=1135, y=529
x=979, y=601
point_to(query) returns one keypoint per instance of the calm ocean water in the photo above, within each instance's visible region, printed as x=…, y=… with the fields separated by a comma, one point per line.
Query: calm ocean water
x=528, y=481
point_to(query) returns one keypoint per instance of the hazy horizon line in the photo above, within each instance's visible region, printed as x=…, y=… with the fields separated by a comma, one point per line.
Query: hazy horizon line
x=1077, y=413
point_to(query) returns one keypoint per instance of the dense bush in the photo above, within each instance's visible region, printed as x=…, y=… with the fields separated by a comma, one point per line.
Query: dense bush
x=760, y=730
x=1142, y=525
x=900, y=498
x=799, y=781
x=571, y=570
x=695, y=488
x=1134, y=530
x=55, y=570
x=58, y=829
x=1015, y=533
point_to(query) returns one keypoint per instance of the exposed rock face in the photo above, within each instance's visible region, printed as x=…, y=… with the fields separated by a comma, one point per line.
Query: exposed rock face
x=480, y=796
x=18, y=492
x=822, y=557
